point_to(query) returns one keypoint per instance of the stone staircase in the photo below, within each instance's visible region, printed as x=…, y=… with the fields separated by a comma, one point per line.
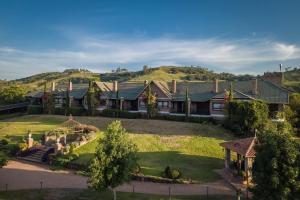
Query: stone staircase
x=36, y=156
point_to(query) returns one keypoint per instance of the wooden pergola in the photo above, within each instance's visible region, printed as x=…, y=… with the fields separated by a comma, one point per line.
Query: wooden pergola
x=244, y=148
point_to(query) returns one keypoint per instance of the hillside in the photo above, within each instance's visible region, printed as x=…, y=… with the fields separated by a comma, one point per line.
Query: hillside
x=165, y=73
x=37, y=81
x=292, y=79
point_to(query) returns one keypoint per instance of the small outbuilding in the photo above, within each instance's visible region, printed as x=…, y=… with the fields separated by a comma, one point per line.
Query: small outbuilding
x=245, y=154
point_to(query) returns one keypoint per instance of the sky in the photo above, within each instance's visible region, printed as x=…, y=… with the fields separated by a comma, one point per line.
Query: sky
x=249, y=36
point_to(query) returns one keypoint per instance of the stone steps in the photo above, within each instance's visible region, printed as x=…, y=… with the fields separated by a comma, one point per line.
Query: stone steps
x=35, y=157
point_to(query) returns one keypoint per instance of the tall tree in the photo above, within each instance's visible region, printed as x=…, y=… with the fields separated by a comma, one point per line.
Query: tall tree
x=276, y=169
x=114, y=160
x=92, y=101
x=151, y=102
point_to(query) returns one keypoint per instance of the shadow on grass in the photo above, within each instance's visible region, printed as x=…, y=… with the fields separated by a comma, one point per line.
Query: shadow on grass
x=197, y=168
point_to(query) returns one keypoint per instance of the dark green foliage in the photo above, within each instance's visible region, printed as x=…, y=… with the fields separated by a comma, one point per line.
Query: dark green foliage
x=186, y=104
x=114, y=160
x=276, y=170
x=293, y=114
x=34, y=109
x=92, y=101
x=12, y=94
x=189, y=119
x=172, y=173
x=120, y=113
x=245, y=117
x=76, y=111
x=63, y=160
x=3, y=159
x=59, y=111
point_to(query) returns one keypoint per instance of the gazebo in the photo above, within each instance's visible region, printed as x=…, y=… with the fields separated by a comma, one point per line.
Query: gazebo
x=245, y=152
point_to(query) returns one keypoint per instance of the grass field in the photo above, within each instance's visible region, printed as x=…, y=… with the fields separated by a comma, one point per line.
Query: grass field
x=68, y=194
x=193, y=148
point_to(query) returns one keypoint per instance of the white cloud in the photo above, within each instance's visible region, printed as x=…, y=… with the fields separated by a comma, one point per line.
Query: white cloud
x=100, y=54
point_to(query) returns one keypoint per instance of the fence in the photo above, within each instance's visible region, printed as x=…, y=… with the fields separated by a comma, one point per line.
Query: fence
x=169, y=191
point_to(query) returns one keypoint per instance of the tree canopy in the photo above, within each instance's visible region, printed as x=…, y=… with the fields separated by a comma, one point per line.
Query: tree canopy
x=276, y=169
x=114, y=160
x=12, y=94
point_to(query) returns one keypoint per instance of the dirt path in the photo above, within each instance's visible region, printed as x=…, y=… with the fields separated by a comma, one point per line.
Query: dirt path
x=22, y=175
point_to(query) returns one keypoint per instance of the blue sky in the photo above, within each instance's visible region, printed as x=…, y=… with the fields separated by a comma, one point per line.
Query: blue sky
x=232, y=36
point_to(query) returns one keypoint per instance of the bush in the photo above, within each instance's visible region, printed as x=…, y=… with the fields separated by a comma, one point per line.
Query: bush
x=120, y=113
x=13, y=149
x=22, y=146
x=183, y=118
x=64, y=160
x=34, y=109
x=77, y=111
x=172, y=173
x=4, y=142
x=3, y=159
x=59, y=111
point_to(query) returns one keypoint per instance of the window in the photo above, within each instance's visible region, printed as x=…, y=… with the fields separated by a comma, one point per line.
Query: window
x=142, y=104
x=217, y=106
x=163, y=104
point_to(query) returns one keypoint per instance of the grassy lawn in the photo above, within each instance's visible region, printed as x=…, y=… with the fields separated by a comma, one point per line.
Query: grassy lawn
x=72, y=194
x=193, y=148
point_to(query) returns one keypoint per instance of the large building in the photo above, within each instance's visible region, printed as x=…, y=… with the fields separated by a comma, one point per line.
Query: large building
x=204, y=98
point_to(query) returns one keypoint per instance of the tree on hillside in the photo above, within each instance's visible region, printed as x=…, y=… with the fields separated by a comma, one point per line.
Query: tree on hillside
x=12, y=94
x=276, y=169
x=114, y=160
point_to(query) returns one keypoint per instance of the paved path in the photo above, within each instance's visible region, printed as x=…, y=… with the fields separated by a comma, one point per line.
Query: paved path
x=23, y=175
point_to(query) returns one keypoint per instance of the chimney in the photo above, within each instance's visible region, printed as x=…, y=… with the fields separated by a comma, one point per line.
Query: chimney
x=115, y=86
x=254, y=86
x=145, y=83
x=174, y=86
x=274, y=77
x=53, y=87
x=70, y=86
x=216, y=86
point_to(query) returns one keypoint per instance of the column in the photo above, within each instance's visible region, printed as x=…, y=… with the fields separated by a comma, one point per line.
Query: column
x=189, y=107
x=227, y=158
x=29, y=140
x=121, y=103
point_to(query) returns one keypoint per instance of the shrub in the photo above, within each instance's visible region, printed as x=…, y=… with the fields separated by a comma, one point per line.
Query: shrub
x=13, y=149
x=64, y=160
x=59, y=111
x=3, y=159
x=22, y=146
x=35, y=109
x=120, y=113
x=4, y=142
x=172, y=173
x=77, y=111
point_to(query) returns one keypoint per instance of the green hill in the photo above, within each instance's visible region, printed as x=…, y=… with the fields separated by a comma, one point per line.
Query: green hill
x=37, y=81
x=292, y=79
x=165, y=73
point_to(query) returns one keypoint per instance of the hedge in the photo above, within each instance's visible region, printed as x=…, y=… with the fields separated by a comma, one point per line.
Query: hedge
x=35, y=109
x=120, y=113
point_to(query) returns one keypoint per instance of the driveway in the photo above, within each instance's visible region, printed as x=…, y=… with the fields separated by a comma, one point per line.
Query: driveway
x=23, y=175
